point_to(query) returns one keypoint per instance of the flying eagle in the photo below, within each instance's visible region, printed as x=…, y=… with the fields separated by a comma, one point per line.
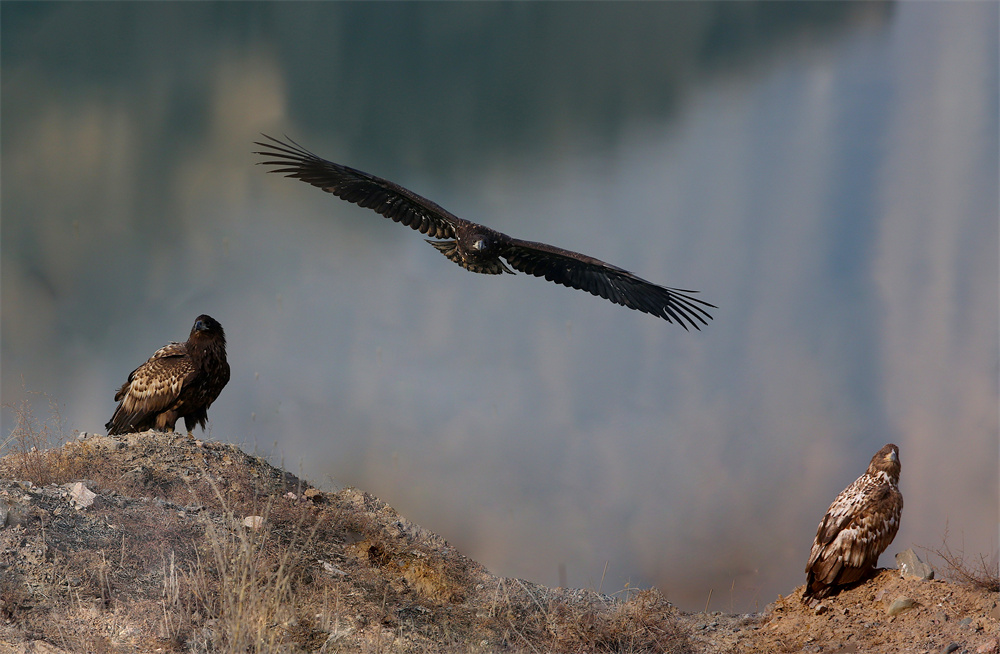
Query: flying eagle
x=481, y=249
x=857, y=528
x=180, y=380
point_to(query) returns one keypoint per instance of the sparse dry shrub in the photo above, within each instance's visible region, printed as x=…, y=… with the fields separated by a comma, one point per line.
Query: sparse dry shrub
x=165, y=545
x=645, y=622
x=29, y=459
x=246, y=578
x=152, y=536
x=14, y=597
x=38, y=450
x=982, y=573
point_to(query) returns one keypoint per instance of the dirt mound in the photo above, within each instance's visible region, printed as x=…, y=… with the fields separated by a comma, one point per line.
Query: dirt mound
x=158, y=542
x=888, y=613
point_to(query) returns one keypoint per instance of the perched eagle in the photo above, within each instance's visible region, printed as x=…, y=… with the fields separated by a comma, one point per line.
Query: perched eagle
x=180, y=380
x=857, y=528
x=481, y=249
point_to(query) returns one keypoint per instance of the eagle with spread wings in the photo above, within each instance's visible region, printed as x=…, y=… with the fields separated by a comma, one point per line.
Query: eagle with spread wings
x=857, y=528
x=479, y=248
x=180, y=380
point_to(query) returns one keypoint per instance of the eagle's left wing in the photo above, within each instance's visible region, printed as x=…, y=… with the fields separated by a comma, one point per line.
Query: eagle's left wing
x=586, y=273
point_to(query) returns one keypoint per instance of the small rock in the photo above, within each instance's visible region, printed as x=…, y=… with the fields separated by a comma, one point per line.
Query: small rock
x=911, y=566
x=254, y=522
x=949, y=648
x=312, y=493
x=900, y=604
x=81, y=495
x=995, y=613
x=16, y=514
x=332, y=569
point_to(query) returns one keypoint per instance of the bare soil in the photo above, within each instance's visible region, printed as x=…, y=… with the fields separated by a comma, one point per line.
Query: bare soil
x=192, y=546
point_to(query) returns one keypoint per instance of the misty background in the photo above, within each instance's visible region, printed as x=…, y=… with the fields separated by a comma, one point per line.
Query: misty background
x=825, y=173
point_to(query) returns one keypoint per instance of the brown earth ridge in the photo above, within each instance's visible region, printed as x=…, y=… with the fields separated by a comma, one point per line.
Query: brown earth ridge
x=156, y=542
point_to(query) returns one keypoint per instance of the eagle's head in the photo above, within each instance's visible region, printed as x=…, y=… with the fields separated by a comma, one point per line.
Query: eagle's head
x=886, y=461
x=207, y=328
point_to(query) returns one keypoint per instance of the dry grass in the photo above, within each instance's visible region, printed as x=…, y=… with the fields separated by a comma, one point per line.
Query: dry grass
x=224, y=587
x=28, y=443
x=643, y=623
x=981, y=573
x=247, y=587
x=239, y=585
x=165, y=562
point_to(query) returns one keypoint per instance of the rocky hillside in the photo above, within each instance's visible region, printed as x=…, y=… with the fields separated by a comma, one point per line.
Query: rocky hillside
x=160, y=543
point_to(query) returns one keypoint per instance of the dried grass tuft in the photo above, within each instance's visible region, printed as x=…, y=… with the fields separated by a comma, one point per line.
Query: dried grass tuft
x=26, y=449
x=982, y=573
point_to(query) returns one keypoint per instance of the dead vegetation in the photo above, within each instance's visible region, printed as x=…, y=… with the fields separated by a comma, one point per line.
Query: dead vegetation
x=192, y=546
x=25, y=447
x=981, y=572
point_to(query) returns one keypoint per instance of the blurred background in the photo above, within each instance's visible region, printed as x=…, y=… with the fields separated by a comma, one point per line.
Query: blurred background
x=825, y=173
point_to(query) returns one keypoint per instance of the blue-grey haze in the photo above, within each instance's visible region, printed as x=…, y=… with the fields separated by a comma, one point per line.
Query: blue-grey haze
x=825, y=173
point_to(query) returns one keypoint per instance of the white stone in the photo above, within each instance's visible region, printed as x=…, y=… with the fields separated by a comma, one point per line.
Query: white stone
x=254, y=522
x=81, y=495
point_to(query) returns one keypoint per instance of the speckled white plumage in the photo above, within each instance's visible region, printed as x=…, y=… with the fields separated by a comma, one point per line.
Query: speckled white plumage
x=859, y=525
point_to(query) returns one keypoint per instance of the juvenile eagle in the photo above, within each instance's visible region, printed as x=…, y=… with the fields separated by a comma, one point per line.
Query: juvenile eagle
x=180, y=380
x=857, y=528
x=481, y=249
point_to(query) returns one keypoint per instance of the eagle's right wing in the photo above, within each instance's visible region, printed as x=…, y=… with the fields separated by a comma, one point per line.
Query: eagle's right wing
x=380, y=195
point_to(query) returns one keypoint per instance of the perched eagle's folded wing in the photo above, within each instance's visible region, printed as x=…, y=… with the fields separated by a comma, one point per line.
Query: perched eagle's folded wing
x=859, y=525
x=152, y=387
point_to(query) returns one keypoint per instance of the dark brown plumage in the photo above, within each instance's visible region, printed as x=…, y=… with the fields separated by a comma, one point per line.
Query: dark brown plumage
x=857, y=528
x=479, y=248
x=180, y=380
